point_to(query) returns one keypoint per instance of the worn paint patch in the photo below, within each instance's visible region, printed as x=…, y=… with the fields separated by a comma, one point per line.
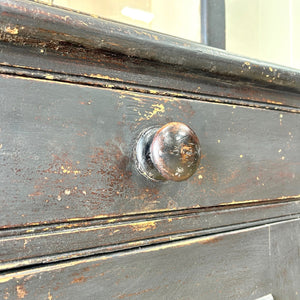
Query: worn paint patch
x=261, y=200
x=156, y=108
x=25, y=243
x=51, y=77
x=49, y=296
x=21, y=291
x=67, y=192
x=247, y=65
x=6, y=295
x=32, y=272
x=100, y=76
x=35, y=194
x=59, y=166
x=80, y=279
x=48, y=2
x=11, y=30
x=143, y=226
x=210, y=239
x=68, y=170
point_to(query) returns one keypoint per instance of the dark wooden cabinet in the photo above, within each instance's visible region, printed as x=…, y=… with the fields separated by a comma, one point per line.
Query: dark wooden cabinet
x=78, y=221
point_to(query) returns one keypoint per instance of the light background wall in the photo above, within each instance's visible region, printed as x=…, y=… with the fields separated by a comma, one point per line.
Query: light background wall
x=264, y=29
x=174, y=17
x=268, y=30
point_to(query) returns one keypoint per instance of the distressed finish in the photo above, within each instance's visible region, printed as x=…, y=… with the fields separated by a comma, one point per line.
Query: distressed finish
x=175, y=151
x=39, y=23
x=77, y=219
x=224, y=266
x=68, y=153
x=64, y=241
x=63, y=44
x=171, y=152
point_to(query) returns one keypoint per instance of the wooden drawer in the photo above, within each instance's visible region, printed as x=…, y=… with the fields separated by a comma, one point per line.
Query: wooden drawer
x=245, y=264
x=78, y=221
x=66, y=153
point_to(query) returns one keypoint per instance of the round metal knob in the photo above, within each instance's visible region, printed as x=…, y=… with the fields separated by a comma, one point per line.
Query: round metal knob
x=171, y=152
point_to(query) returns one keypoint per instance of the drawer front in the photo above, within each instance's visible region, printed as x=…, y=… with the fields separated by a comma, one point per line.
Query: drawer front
x=246, y=264
x=66, y=153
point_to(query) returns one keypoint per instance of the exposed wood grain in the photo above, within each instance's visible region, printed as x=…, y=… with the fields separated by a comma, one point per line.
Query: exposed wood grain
x=245, y=264
x=70, y=43
x=165, y=84
x=126, y=73
x=44, y=244
x=27, y=19
x=69, y=188
x=66, y=153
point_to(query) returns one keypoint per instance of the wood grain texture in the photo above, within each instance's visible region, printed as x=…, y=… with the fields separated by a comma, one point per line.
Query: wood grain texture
x=69, y=189
x=63, y=42
x=44, y=244
x=69, y=64
x=66, y=153
x=26, y=19
x=245, y=265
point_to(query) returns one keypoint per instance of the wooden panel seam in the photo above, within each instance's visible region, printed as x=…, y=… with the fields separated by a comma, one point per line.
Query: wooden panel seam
x=115, y=85
x=49, y=245
x=167, y=241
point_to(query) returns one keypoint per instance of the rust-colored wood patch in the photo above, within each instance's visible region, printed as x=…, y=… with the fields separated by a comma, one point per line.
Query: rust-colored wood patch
x=64, y=161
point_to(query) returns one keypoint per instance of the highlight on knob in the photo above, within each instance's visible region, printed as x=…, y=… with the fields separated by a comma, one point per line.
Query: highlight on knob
x=170, y=152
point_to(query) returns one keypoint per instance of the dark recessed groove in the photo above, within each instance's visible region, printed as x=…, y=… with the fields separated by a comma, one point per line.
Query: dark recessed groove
x=60, y=258
x=46, y=23
x=153, y=215
x=189, y=96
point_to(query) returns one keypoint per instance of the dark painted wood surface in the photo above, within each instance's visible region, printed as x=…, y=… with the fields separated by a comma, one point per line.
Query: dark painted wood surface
x=84, y=66
x=43, y=244
x=69, y=45
x=75, y=92
x=245, y=265
x=40, y=23
x=66, y=153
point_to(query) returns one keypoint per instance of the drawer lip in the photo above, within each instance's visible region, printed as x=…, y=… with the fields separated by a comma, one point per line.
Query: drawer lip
x=262, y=260
x=49, y=23
x=60, y=242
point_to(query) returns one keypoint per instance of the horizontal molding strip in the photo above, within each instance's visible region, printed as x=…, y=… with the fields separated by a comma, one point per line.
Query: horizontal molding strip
x=77, y=79
x=67, y=241
x=29, y=20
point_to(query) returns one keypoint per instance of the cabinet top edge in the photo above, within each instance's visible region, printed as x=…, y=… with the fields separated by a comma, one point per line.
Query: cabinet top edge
x=28, y=19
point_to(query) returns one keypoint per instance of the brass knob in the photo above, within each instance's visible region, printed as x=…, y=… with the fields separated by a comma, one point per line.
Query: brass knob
x=171, y=152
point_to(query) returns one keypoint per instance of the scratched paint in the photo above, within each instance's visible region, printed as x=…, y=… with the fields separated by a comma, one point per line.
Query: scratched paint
x=101, y=76
x=50, y=297
x=156, y=108
x=21, y=291
x=104, y=183
x=143, y=226
x=11, y=30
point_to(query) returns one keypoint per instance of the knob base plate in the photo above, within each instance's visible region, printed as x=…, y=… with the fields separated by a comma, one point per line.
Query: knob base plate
x=143, y=160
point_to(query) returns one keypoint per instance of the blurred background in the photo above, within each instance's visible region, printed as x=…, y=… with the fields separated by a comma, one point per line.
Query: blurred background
x=268, y=30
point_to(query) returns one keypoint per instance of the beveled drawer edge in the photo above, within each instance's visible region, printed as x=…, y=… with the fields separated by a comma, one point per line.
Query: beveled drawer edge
x=10, y=71
x=259, y=258
x=57, y=242
x=21, y=19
